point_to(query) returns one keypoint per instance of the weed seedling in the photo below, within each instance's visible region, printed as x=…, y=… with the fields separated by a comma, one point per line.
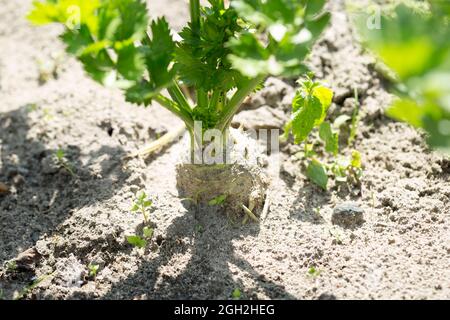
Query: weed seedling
x=93, y=269
x=142, y=205
x=60, y=157
x=236, y=294
x=313, y=99
x=313, y=272
x=137, y=241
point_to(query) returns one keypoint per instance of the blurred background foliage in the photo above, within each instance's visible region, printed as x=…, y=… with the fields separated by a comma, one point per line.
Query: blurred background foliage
x=413, y=41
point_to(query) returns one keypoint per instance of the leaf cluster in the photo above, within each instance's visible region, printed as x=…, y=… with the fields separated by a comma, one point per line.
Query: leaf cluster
x=223, y=54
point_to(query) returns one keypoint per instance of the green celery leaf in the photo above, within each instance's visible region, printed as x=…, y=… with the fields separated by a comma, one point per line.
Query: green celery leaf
x=130, y=63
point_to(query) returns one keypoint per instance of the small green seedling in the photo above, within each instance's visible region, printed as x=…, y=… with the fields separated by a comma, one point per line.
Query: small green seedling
x=93, y=269
x=309, y=108
x=218, y=200
x=313, y=272
x=31, y=107
x=60, y=156
x=142, y=204
x=11, y=266
x=236, y=294
x=313, y=100
x=348, y=169
x=137, y=241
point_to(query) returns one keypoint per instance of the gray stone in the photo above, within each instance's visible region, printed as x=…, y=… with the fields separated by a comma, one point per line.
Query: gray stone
x=348, y=215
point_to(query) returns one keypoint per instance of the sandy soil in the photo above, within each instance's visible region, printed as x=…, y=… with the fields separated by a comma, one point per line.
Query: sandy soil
x=65, y=223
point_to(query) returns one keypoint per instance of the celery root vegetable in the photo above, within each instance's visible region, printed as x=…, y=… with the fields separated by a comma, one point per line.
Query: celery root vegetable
x=223, y=55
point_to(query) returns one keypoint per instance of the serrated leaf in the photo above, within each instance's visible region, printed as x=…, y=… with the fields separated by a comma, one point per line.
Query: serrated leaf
x=130, y=63
x=77, y=40
x=158, y=53
x=304, y=120
x=330, y=138
x=141, y=93
x=137, y=241
x=100, y=66
x=309, y=108
x=290, y=36
x=317, y=174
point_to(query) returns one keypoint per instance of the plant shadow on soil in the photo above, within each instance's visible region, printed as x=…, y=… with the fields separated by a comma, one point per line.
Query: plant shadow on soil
x=207, y=273
x=44, y=200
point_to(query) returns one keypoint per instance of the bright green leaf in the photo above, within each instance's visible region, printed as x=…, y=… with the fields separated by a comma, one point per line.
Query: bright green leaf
x=136, y=241
x=317, y=174
x=330, y=138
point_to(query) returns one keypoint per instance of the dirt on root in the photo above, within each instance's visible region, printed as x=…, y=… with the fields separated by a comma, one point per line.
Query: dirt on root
x=55, y=224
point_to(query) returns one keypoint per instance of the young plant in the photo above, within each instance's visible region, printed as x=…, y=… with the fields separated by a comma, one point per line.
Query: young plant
x=414, y=45
x=93, y=269
x=60, y=156
x=223, y=55
x=142, y=204
x=236, y=294
x=309, y=111
x=313, y=272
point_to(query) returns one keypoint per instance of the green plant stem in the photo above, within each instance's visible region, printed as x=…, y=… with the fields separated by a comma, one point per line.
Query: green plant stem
x=202, y=98
x=235, y=102
x=144, y=213
x=195, y=15
x=214, y=99
x=177, y=95
x=174, y=108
